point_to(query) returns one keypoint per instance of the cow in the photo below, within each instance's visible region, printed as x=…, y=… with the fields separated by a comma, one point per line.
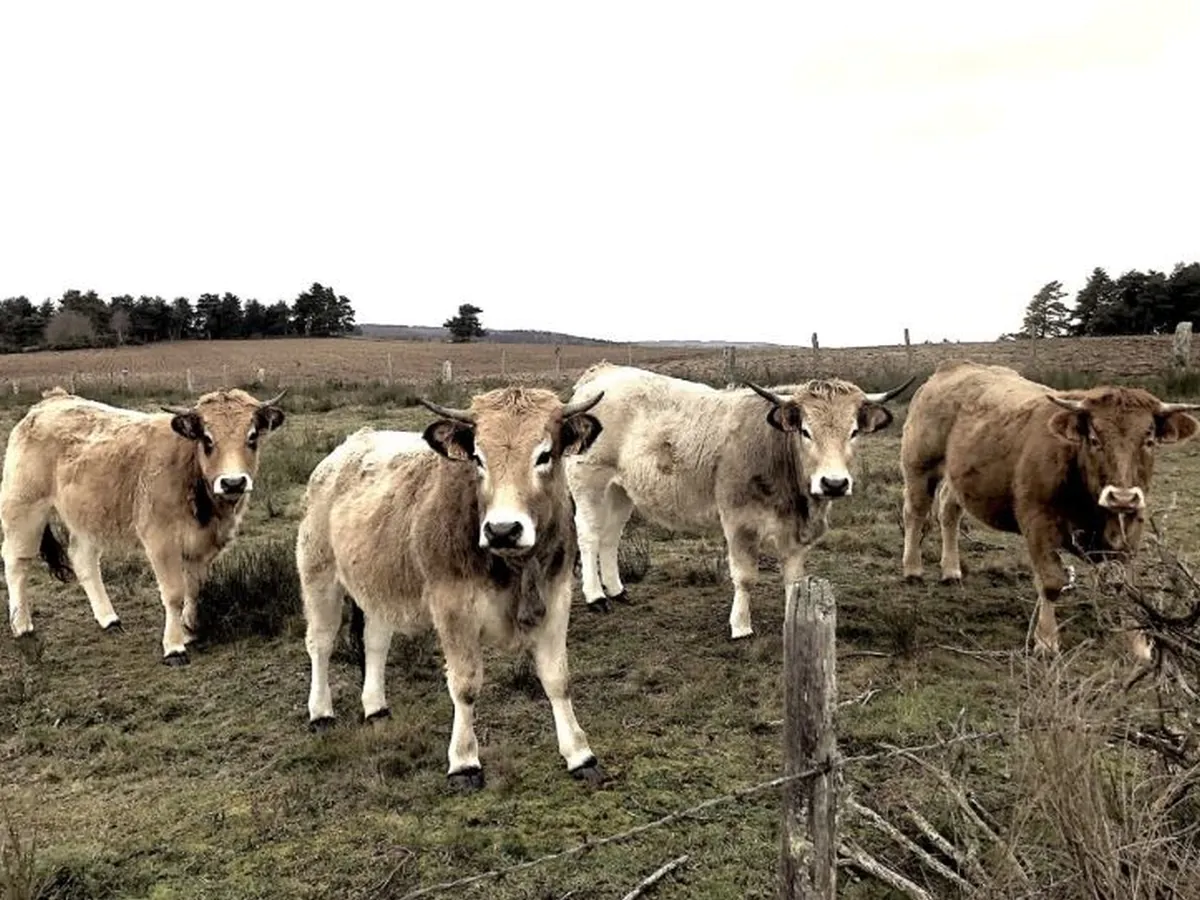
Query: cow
x=176, y=483
x=700, y=460
x=464, y=528
x=1067, y=470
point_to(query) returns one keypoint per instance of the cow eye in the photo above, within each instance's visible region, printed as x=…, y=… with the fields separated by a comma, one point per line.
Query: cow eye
x=805, y=432
x=475, y=458
x=543, y=458
x=252, y=440
x=854, y=432
x=207, y=443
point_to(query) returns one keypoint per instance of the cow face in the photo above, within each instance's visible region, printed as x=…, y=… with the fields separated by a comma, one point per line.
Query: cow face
x=515, y=439
x=1114, y=432
x=226, y=427
x=827, y=418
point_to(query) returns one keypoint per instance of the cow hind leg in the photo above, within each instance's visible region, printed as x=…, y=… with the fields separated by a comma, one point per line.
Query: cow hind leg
x=376, y=639
x=950, y=513
x=590, y=510
x=22, y=543
x=618, y=510
x=919, y=489
x=322, y=597
x=85, y=559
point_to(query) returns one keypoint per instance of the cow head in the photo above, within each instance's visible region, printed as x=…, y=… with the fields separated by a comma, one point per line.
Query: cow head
x=226, y=427
x=826, y=418
x=1114, y=432
x=515, y=439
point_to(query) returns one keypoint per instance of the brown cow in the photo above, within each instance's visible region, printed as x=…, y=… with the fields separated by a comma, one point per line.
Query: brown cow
x=176, y=484
x=1068, y=470
x=475, y=541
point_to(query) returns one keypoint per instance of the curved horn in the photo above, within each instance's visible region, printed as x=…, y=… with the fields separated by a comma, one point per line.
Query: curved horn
x=179, y=410
x=580, y=406
x=458, y=415
x=885, y=396
x=765, y=394
x=274, y=399
x=1168, y=408
x=1073, y=405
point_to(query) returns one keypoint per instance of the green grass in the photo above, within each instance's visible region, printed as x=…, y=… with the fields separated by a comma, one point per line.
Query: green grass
x=144, y=781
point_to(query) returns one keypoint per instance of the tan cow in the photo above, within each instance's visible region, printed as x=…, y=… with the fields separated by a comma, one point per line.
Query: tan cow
x=474, y=540
x=1068, y=470
x=697, y=460
x=175, y=484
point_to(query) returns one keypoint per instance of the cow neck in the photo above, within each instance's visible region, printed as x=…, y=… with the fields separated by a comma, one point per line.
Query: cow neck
x=781, y=467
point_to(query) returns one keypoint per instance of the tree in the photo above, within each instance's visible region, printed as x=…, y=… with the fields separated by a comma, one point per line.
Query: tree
x=21, y=324
x=120, y=322
x=1046, y=315
x=321, y=312
x=88, y=305
x=277, y=319
x=465, y=327
x=182, y=319
x=1094, y=304
x=69, y=329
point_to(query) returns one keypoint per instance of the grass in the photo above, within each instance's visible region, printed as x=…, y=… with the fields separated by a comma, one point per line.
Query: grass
x=143, y=781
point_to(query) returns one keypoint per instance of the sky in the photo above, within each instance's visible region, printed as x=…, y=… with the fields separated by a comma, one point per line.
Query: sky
x=750, y=171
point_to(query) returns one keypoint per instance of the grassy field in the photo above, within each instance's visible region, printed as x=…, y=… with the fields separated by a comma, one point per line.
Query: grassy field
x=138, y=780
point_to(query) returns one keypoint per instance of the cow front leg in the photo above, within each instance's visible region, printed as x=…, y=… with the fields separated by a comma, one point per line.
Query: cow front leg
x=459, y=635
x=743, y=572
x=550, y=660
x=1050, y=578
x=950, y=513
x=377, y=638
x=172, y=587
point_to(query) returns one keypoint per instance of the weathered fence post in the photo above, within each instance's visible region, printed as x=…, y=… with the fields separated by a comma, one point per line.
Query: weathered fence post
x=808, y=857
x=447, y=372
x=629, y=354
x=260, y=376
x=816, y=355
x=188, y=374
x=503, y=362
x=908, y=353
x=729, y=355
x=1181, y=346
x=389, y=381
x=224, y=375
x=16, y=387
x=558, y=362
x=124, y=379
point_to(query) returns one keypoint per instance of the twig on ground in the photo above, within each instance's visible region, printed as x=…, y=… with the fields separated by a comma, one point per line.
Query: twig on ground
x=654, y=877
x=887, y=828
x=857, y=856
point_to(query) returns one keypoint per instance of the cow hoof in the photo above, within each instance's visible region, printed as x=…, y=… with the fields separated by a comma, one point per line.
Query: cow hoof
x=600, y=606
x=622, y=597
x=913, y=579
x=952, y=580
x=378, y=716
x=738, y=634
x=114, y=627
x=321, y=725
x=176, y=659
x=590, y=773
x=467, y=781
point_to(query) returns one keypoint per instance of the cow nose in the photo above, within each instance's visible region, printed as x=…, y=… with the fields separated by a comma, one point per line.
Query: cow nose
x=834, y=487
x=502, y=534
x=233, y=484
x=1121, y=500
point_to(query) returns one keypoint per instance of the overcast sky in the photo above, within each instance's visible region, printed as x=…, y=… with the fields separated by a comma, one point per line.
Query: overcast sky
x=738, y=171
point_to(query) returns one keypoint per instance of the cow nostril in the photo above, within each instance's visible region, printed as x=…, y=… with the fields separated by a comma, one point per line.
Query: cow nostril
x=835, y=487
x=502, y=533
x=233, y=484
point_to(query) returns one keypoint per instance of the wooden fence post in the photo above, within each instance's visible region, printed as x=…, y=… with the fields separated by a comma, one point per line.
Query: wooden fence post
x=389, y=381
x=1181, y=345
x=816, y=355
x=447, y=372
x=558, y=362
x=188, y=375
x=730, y=356
x=808, y=857
x=503, y=362
x=908, y=353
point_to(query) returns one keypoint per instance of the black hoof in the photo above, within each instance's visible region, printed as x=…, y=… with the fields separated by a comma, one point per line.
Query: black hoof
x=176, y=659
x=590, y=773
x=466, y=781
x=321, y=725
x=600, y=606
x=913, y=579
x=952, y=582
x=622, y=597
x=378, y=716
x=115, y=627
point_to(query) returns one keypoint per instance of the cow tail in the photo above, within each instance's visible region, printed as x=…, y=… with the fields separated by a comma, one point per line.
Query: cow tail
x=357, y=648
x=55, y=555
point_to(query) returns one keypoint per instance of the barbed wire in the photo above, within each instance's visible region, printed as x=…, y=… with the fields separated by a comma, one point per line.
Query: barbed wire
x=739, y=794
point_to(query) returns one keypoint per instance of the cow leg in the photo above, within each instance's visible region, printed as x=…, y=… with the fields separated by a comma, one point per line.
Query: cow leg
x=950, y=513
x=550, y=660
x=1050, y=578
x=589, y=528
x=458, y=634
x=619, y=509
x=322, y=597
x=377, y=638
x=193, y=578
x=20, y=551
x=919, y=489
x=85, y=559
x=743, y=571
x=172, y=586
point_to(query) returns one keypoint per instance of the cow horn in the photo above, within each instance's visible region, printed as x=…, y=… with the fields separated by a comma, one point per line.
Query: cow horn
x=458, y=415
x=179, y=410
x=1165, y=409
x=274, y=399
x=885, y=396
x=580, y=406
x=1073, y=405
x=765, y=394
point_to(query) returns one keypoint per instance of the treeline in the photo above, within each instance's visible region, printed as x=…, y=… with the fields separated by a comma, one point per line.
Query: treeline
x=84, y=319
x=1135, y=303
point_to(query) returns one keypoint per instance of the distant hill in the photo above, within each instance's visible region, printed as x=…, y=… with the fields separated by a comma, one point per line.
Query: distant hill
x=524, y=336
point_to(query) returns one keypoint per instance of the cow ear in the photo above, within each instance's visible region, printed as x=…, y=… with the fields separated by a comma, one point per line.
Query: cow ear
x=188, y=425
x=1069, y=425
x=1176, y=427
x=873, y=417
x=786, y=417
x=268, y=418
x=454, y=440
x=578, y=433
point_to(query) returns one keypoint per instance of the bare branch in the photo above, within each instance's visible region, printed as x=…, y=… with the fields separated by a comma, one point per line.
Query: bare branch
x=654, y=877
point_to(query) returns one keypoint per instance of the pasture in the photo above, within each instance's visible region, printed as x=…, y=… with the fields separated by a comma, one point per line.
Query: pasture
x=126, y=778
